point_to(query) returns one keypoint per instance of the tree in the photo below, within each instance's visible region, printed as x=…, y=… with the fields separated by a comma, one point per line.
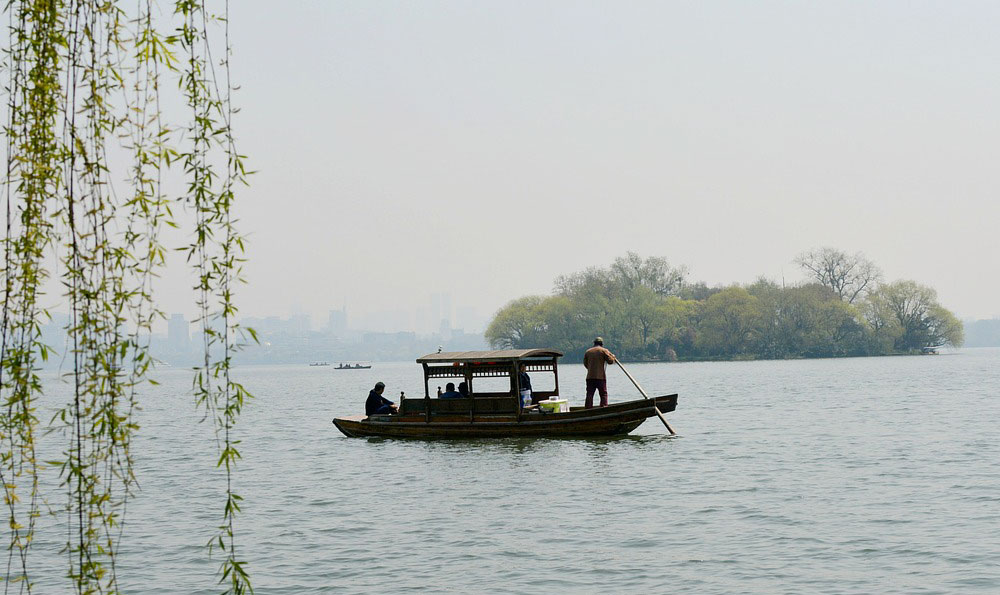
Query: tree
x=589, y=284
x=838, y=330
x=944, y=328
x=621, y=302
x=772, y=339
x=677, y=334
x=632, y=271
x=84, y=82
x=849, y=276
x=623, y=277
x=517, y=325
x=804, y=321
x=566, y=326
x=698, y=292
x=922, y=321
x=727, y=322
x=882, y=325
x=646, y=309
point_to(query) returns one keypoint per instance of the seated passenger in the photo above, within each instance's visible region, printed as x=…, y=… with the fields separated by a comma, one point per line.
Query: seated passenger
x=463, y=388
x=450, y=392
x=377, y=404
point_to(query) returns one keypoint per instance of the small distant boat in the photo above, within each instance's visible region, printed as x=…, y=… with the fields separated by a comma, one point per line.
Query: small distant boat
x=320, y=364
x=343, y=366
x=930, y=350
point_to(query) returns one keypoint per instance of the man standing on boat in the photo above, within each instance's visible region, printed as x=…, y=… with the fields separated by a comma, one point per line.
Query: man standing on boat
x=377, y=404
x=596, y=360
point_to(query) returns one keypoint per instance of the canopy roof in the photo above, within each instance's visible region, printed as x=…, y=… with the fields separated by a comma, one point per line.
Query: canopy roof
x=502, y=355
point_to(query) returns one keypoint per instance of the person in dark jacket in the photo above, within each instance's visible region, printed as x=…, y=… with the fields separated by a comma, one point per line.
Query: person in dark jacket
x=450, y=392
x=524, y=381
x=377, y=404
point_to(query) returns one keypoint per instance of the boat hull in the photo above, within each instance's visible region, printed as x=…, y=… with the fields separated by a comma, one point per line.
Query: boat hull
x=614, y=420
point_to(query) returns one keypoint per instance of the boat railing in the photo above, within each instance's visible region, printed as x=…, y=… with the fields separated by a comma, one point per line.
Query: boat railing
x=484, y=370
x=483, y=404
x=477, y=371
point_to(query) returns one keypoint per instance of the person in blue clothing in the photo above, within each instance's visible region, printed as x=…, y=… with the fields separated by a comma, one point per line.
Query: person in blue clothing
x=450, y=392
x=377, y=404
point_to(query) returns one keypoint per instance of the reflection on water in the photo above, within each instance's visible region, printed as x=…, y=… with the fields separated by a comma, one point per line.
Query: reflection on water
x=520, y=444
x=851, y=475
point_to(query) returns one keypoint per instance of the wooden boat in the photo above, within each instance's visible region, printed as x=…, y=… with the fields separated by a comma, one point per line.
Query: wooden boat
x=499, y=414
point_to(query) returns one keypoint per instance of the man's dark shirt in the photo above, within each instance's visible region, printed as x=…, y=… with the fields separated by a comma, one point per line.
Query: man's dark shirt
x=452, y=394
x=524, y=380
x=375, y=401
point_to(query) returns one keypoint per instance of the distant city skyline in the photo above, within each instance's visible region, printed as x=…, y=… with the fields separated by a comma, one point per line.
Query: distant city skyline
x=295, y=338
x=425, y=318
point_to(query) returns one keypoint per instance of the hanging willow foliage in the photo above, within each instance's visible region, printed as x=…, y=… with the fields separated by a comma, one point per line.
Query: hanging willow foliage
x=83, y=91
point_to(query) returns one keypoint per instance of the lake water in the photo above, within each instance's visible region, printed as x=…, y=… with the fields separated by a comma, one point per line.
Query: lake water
x=821, y=476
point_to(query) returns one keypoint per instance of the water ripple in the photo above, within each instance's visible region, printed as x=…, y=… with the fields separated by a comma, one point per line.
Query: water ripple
x=818, y=476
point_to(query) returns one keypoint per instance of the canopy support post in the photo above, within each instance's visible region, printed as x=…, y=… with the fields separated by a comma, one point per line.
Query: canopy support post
x=467, y=374
x=516, y=384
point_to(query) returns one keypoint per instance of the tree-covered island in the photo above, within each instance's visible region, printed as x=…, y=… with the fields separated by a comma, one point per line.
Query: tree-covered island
x=648, y=310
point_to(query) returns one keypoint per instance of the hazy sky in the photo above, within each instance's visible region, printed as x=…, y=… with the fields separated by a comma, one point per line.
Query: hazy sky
x=484, y=148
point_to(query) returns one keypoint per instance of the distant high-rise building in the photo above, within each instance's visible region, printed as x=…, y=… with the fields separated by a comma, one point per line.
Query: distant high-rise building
x=466, y=318
x=435, y=313
x=338, y=321
x=299, y=323
x=440, y=310
x=178, y=335
x=273, y=324
x=421, y=321
x=446, y=308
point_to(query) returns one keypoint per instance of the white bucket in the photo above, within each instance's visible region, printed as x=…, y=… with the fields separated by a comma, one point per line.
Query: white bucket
x=526, y=397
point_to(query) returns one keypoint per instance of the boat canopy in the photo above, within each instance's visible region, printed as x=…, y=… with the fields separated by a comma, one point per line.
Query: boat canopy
x=501, y=355
x=502, y=363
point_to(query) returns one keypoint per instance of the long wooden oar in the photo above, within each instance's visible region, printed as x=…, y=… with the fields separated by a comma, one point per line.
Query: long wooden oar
x=655, y=408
